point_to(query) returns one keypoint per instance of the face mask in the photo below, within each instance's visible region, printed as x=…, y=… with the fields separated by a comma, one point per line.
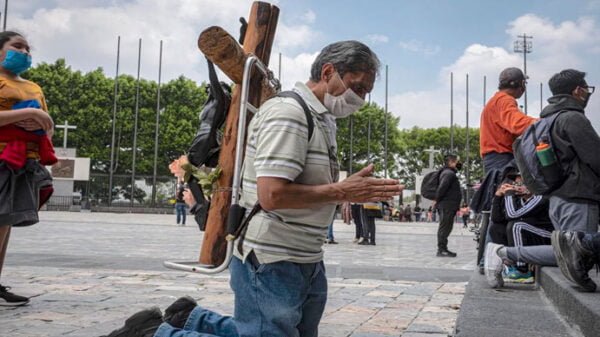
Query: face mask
x=586, y=99
x=343, y=105
x=16, y=62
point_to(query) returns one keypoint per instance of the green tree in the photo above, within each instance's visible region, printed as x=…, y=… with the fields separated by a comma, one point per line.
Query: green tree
x=362, y=148
x=413, y=158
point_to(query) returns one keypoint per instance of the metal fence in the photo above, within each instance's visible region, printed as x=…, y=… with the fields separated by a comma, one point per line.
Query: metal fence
x=95, y=191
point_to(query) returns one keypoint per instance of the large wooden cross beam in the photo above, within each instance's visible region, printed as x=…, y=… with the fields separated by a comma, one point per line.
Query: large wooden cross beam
x=225, y=52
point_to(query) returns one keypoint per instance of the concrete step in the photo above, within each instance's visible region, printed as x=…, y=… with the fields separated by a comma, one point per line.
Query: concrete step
x=580, y=309
x=515, y=310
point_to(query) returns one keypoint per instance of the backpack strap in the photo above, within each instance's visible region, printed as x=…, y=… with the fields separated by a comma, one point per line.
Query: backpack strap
x=298, y=98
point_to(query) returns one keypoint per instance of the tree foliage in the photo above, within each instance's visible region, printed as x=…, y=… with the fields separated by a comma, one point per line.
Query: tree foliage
x=86, y=100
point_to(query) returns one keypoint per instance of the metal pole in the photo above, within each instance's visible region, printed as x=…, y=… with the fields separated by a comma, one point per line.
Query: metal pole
x=5, y=15
x=369, y=141
x=452, y=111
x=157, y=124
x=467, y=145
x=351, y=126
x=279, y=75
x=386, y=122
x=525, y=65
x=484, y=90
x=135, y=125
x=114, y=121
x=541, y=97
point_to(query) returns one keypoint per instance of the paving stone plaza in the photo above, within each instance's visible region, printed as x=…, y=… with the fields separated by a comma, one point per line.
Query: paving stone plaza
x=87, y=272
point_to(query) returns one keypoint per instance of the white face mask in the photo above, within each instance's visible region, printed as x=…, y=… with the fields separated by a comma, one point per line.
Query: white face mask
x=343, y=105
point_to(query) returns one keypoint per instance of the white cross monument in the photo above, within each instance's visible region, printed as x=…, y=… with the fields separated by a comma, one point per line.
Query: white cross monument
x=66, y=128
x=432, y=151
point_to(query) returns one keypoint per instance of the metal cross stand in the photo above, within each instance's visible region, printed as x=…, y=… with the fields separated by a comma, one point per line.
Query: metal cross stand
x=245, y=106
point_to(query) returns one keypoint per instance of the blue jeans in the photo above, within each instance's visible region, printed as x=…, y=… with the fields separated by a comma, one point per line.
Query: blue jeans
x=496, y=161
x=271, y=300
x=181, y=210
x=330, y=232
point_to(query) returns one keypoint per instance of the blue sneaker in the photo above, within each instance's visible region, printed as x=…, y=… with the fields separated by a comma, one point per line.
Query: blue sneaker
x=514, y=275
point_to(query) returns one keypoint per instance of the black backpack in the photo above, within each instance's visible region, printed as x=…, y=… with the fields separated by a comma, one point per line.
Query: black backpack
x=538, y=178
x=430, y=184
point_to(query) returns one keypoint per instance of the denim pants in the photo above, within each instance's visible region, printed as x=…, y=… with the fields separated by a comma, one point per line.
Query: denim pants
x=330, y=232
x=181, y=212
x=271, y=300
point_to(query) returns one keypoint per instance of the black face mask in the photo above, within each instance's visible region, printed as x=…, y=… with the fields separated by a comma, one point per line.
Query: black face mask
x=459, y=166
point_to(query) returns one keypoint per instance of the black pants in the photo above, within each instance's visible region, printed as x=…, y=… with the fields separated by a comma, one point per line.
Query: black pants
x=370, y=229
x=446, y=224
x=357, y=216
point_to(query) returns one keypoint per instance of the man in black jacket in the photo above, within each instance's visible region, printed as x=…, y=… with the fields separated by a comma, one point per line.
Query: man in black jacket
x=447, y=200
x=574, y=205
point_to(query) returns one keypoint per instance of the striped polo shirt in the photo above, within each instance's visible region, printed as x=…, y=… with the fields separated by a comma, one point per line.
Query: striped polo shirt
x=278, y=146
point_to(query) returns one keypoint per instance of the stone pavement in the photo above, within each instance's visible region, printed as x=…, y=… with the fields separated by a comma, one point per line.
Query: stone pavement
x=87, y=272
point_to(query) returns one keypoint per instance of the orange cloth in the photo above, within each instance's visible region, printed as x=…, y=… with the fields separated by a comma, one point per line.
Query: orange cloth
x=501, y=123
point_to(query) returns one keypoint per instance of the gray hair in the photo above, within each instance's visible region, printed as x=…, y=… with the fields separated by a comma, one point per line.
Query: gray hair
x=346, y=56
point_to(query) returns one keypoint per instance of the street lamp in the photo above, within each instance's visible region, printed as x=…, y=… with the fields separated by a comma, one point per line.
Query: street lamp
x=524, y=46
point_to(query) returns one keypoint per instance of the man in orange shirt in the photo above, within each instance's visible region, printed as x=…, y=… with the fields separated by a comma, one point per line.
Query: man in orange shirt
x=502, y=121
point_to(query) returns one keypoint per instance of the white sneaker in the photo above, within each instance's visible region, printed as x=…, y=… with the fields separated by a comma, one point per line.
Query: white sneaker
x=493, y=265
x=360, y=240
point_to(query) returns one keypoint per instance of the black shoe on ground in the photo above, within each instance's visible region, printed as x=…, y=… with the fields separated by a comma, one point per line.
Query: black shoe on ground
x=445, y=253
x=178, y=312
x=372, y=243
x=573, y=259
x=8, y=299
x=364, y=243
x=141, y=324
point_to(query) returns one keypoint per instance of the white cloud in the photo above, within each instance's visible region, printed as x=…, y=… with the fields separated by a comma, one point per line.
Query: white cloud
x=309, y=17
x=293, y=68
x=378, y=38
x=419, y=47
x=569, y=44
x=85, y=33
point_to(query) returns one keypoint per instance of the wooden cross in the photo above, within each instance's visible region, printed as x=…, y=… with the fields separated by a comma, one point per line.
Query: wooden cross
x=66, y=128
x=225, y=52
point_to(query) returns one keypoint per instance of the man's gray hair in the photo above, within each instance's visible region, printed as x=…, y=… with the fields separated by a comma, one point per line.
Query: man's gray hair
x=346, y=56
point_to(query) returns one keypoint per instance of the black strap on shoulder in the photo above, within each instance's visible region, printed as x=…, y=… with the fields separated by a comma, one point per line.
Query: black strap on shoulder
x=309, y=119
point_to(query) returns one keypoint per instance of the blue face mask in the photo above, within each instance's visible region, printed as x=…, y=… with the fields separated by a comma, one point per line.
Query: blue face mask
x=16, y=62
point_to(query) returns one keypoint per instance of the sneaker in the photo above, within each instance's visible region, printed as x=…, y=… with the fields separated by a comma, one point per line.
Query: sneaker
x=493, y=265
x=573, y=259
x=355, y=240
x=178, y=312
x=333, y=242
x=364, y=243
x=445, y=253
x=141, y=324
x=8, y=299
x=360, y=240
x=514, y=275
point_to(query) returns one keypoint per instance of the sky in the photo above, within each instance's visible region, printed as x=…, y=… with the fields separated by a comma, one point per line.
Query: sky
x=421, y=42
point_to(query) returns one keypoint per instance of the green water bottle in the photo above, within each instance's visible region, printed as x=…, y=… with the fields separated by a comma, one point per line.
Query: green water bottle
x=545, y=154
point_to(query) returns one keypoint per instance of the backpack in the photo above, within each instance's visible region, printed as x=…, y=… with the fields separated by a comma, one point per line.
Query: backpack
x=297, y=98
x=541, y=170
x=430, y=184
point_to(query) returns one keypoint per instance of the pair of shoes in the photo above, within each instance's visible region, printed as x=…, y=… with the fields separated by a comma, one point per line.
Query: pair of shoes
x=445, y=253
x=145, y=323
x=141, y=324
x=513, y=275
x=8, y=299
x=573, y=259
x=493, y=264
x=178, y=312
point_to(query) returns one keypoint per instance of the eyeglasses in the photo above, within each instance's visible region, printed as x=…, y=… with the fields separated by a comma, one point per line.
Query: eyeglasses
x=590, y=89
